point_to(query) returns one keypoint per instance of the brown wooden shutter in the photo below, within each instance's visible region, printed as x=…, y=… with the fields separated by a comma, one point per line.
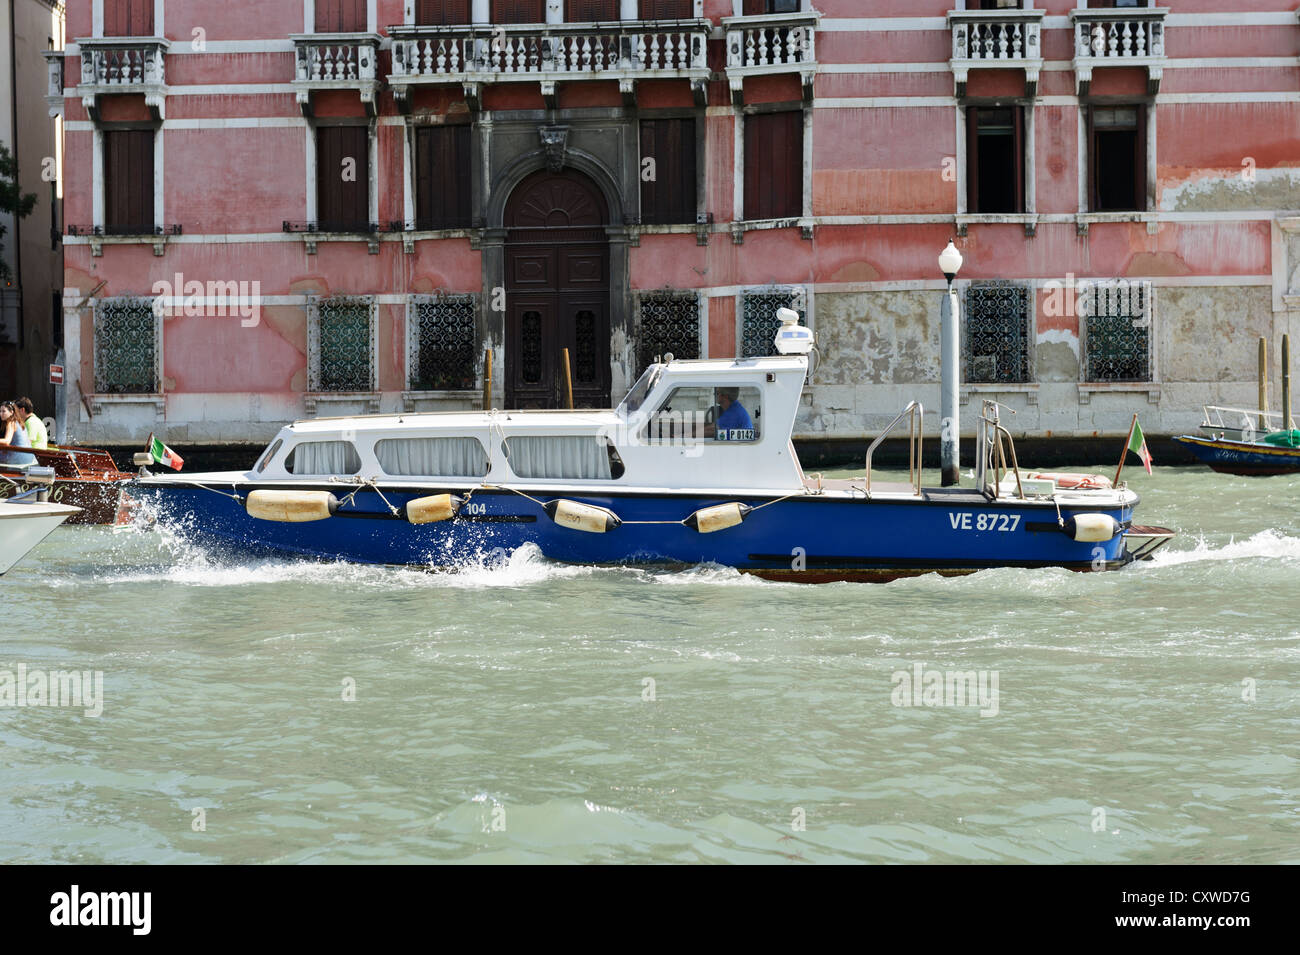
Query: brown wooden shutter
x=128, y=17
x=442, y=12
x=666, y=9
x=1018, y=135
x=342, y=205
x=590, y=11
x=753, y=8
x=518, y=11
x=341, y=16
x=774, y=165
x=442, y=177
x=1094, y=194
x=128, y=181
x=670, y=198
x=1140, y=162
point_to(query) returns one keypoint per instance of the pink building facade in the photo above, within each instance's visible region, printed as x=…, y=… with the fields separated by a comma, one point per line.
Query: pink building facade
x=340, y=206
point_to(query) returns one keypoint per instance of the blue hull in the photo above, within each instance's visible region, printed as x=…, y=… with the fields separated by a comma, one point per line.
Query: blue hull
x=1236, y=457
x=811, y=538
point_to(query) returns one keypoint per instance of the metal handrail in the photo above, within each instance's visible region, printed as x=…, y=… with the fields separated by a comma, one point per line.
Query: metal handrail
x=915, y=412
x=1262, y=418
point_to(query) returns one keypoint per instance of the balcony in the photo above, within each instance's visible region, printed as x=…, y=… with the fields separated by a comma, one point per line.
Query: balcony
x=123, y=65
x=336, y=61
x=549, y=53
x=54, y=61
x=996, y=40
x=1133, y=37
x=771, y=44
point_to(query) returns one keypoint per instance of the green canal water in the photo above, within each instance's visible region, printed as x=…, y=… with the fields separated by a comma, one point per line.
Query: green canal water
x=507, y=714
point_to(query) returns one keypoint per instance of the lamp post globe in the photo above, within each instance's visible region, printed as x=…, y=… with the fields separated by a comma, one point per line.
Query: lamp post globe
x=950, y=262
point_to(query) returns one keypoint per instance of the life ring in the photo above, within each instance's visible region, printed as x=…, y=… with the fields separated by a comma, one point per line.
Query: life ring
x=1071, y=481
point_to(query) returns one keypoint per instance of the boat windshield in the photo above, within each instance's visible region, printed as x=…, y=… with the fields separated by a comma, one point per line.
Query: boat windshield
x=644, y=385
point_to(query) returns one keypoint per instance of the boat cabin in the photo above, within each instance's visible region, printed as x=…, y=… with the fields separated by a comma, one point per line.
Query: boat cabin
x=707, y=423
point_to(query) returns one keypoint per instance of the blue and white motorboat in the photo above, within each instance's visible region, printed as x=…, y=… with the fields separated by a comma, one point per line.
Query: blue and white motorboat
x=695, y=466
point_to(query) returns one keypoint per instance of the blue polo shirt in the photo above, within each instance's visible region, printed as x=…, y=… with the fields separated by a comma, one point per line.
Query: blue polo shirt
x=735, y=419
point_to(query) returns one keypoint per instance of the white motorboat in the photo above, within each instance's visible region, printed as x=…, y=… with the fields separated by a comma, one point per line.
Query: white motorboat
x=25, y=521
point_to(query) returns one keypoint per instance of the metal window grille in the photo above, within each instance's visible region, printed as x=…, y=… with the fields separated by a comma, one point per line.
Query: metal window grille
x=759, y=324
x=997, y=332
x=341, y=343
x=442, y=351
x=126, y=346
x=1117, y=333
x=669, y=323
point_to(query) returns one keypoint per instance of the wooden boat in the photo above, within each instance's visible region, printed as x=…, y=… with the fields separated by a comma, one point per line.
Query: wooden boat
x=84, y=478
x=1239, y=441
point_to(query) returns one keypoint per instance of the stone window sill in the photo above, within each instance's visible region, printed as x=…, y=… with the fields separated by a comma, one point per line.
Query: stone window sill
x=100, y=403
x=1150, y=388
x=315, y=401
x=1027, y=388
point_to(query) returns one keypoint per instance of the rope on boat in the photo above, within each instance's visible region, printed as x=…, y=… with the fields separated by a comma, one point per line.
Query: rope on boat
x=684, y=521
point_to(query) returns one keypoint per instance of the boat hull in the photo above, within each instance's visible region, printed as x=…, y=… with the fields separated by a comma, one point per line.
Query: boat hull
x=23, y=526
x=805, y=537
x=101, y=502
x=1238, y=457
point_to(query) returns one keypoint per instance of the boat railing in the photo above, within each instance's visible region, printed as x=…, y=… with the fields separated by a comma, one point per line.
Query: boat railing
x=991, y=452
x=915, y=413
x=1263, y=421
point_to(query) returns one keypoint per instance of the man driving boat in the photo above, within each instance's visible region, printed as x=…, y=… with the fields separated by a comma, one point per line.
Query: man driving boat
x=732, y=418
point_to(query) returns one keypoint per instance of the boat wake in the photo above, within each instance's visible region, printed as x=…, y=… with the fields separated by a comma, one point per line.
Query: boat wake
x=1265, y=544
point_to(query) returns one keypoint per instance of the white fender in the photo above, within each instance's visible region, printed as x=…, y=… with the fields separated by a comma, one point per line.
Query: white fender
x=719, y=517
x=290, y=507
x=1089, y=528
x=581, y=517
x=435, y=507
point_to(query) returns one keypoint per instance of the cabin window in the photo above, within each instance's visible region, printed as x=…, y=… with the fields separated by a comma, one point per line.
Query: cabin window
x=669, y=325
x=563, y=457
x=127, y=336
x=1116, y=319
x=759, y=321
x=709, y=413
x=997, y=332
x=432, y=457
x=266, y=458
x=323, y=457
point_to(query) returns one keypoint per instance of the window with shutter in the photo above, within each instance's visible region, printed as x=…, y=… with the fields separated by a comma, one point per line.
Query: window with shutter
x=518, y=11
x=995, y=168
x=441, y=12
x=996, y=327
x=590, y=11
x=128, y=17
x=774, y=165
x=757, y=8
x=128, y=181
x=1117, y=164
x=341, y=16
x=343, y=178
x=442, y=177
x=666, y=9
x=668, y=187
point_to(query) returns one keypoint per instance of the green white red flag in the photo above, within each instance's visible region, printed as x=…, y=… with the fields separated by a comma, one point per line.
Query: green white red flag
x=1137, y=443
x=166, y=456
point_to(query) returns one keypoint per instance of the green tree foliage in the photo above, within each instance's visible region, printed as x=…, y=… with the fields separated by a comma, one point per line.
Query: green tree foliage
x=11, y=200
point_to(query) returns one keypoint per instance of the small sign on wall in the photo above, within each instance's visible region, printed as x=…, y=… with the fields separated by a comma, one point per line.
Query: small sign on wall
x=56, y=374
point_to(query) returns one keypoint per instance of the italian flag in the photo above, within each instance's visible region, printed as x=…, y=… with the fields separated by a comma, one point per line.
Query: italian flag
x=165, y=455
x=1137, y=443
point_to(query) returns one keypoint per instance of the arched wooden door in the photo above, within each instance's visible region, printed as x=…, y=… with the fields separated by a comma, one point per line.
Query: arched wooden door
x=557, y=292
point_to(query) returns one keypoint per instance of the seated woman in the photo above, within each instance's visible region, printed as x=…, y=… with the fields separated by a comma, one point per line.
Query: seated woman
x=13, y=434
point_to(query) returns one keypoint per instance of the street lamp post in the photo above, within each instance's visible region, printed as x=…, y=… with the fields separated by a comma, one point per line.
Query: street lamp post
x=949, y=346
